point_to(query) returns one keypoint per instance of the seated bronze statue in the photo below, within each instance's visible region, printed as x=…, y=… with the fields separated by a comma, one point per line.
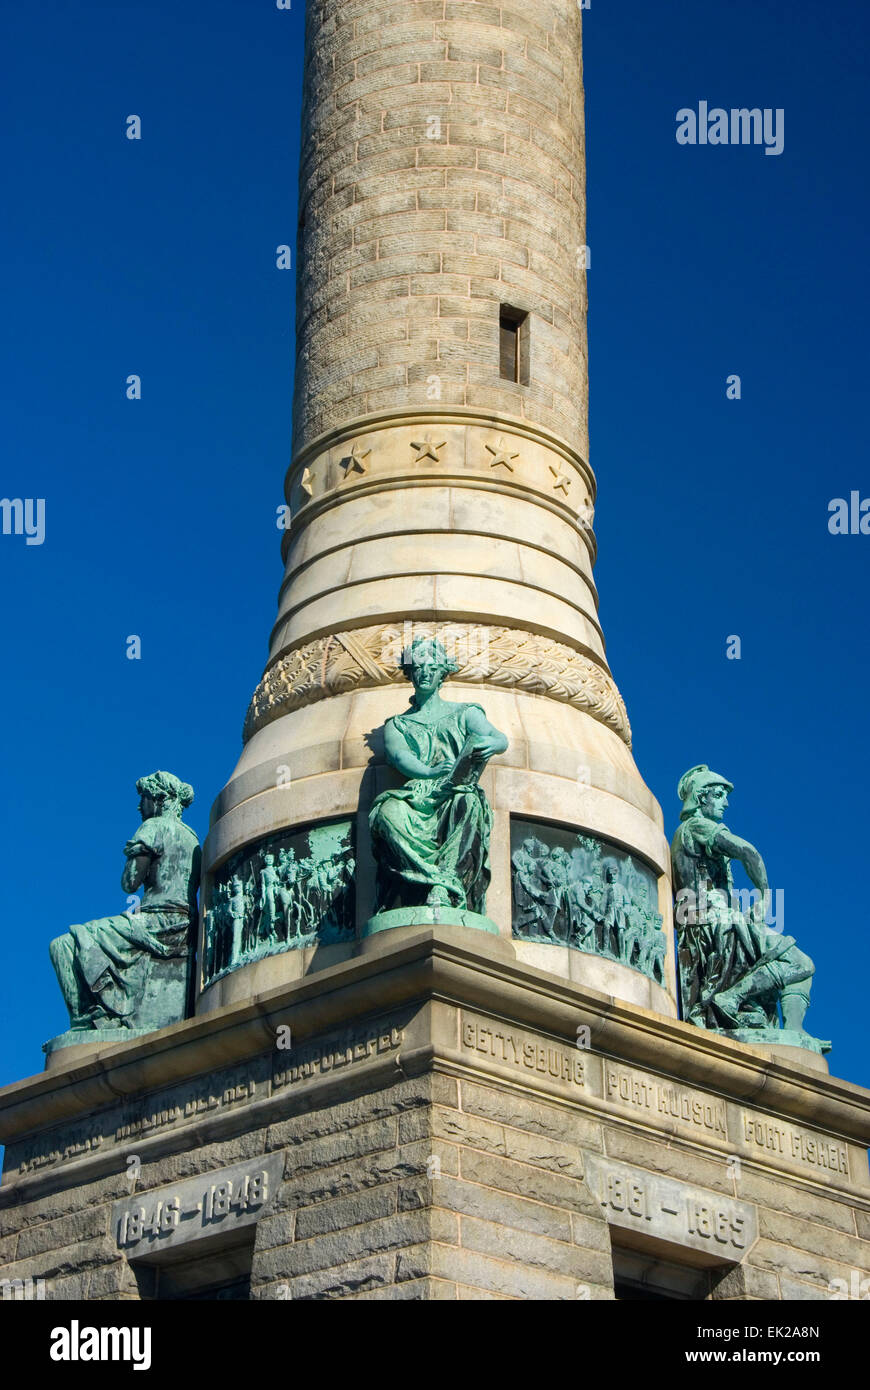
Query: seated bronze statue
x=131, y=971
x=737, y=972
x=431, y=836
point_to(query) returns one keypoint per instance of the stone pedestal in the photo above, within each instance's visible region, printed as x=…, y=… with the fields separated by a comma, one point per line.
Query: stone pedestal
x=419, y=1122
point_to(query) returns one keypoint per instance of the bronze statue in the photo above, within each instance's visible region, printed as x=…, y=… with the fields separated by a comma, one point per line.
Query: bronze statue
x=431, y=837
x=131, y=971
x=736, y=970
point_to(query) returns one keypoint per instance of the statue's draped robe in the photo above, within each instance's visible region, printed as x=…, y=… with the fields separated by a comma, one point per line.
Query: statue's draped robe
x=433, y=833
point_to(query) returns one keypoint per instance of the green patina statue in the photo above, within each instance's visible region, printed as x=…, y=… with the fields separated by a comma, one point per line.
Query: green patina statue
x=130, y=973
x=431, y=837
x=586, y=895
x=737, y=972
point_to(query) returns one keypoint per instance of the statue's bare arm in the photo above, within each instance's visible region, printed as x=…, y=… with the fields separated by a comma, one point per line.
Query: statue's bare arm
x=136, y=868
x=490, y=740
x=747, y=854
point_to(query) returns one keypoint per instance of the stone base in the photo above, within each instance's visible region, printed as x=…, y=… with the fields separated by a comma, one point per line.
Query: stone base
x=796, y=1056
x=791, y=1038
x=428, y=917
x=597, y=972
x=80, y=1042
x=435, y=1120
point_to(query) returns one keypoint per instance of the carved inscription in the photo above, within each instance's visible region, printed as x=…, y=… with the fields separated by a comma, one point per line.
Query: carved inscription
x=673, y=1211
x=639, y=1091
x=205, y=1098
x=35, y=1156
x=137, y=1119
x=337, y=1053
x=211, y=1204
x=764, y=1137
x=540, y=1056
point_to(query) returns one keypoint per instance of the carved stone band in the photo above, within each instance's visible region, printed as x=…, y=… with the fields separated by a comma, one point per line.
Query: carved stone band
x=368, y=657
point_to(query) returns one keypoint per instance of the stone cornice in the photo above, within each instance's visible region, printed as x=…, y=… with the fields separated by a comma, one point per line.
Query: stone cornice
x=434, y=964
x=508, y=658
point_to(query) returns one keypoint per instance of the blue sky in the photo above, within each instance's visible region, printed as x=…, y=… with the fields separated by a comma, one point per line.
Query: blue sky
x=157, y=257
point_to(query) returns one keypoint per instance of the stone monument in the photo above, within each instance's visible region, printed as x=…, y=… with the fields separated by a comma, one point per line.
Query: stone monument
x=434, y=1049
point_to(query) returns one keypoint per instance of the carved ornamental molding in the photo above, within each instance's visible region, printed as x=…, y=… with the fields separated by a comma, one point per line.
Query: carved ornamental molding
x=368, y=657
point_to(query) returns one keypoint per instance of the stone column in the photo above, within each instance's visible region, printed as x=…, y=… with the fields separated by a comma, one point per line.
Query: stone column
x=440, y=479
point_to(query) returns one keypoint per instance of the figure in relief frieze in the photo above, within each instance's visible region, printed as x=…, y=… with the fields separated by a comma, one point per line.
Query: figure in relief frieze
x=267, y=929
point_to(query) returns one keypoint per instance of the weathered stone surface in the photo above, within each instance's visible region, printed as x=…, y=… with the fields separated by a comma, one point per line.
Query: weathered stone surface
x=536, y=1116
x=798, y=1199
x=416, y=1291
x=590, y=1231
x=525, y=1180
x=496, y=1207
x=543, y=1152
x=21, y=1208
x=339, y=1247
x=71, y=1259
x=536, y=1252
x=805, y=1265
x=317, y=1154
x=113, y=1281
x=461, y=1128
x=339, y=1281
x=74, y=1287
x=343, y=1212
x=357, y=1175
x=480, y=1271
x=677, y=1160
x=797, y=1291
x=745, y=1281
x=67, y=1230
x=814, y=1238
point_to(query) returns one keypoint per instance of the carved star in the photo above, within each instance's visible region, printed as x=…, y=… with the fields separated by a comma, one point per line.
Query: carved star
x=501, y=457
x=355, y=461
x=426, y=449
x=560, y=480
x=306, y=482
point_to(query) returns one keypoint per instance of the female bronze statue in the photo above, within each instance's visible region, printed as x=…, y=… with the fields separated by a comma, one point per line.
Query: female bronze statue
x=104, y=967
x=431, y=837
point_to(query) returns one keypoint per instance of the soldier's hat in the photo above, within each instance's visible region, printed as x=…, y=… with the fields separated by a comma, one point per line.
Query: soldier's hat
x=696, y=780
